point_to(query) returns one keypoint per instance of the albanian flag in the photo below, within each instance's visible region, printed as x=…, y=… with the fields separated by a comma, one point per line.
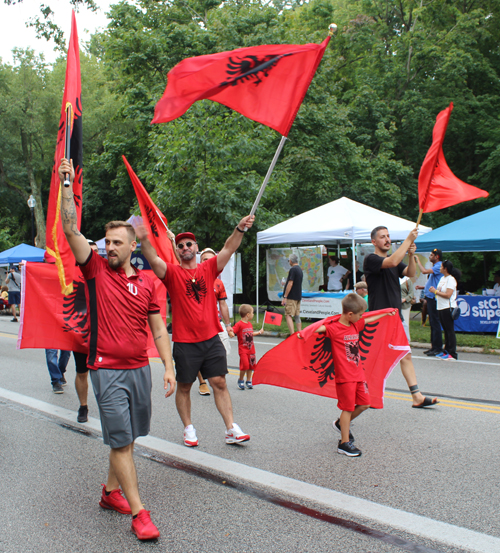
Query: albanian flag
x=308, y=364
x=264, y=83
x=153, y=218
x=52, y=320
x=272, y=318
x=57, y=245
x=438, y=187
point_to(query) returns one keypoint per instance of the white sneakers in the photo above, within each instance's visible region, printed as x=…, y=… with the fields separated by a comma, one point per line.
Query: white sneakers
x=190, y=438
x=236, y=435
x=233, y=436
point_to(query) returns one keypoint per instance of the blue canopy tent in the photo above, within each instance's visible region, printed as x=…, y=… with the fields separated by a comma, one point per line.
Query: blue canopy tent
x=20, y=253
x=476, y=233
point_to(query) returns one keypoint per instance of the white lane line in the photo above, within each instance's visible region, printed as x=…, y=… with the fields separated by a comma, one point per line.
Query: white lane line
x=441, y=532
x=458, y=361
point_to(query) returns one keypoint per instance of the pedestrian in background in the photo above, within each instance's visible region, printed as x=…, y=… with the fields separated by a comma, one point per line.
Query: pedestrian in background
x=446, y=294
x=13, y=281
x=244, y=331
x=57, y=368
x=292, y=294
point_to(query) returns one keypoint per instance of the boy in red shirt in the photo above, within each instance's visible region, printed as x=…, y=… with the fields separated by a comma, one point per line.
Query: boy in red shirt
x=352, y=390
x=246, y=349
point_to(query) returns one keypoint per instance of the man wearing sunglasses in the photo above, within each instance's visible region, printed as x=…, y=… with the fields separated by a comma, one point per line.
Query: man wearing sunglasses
x=195, y=324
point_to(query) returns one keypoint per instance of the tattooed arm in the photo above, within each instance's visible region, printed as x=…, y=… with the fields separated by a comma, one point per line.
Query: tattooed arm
x=77, y=242
x=162, y=343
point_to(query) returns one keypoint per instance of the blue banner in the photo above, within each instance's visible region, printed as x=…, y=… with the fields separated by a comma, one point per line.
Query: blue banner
x=478, y=314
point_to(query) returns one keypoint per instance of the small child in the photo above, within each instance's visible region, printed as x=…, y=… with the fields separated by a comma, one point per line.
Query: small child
x=361, y=288
x=246, y=349
x=352, y=390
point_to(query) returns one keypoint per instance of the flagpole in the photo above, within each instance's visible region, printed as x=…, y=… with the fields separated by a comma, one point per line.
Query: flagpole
x=268, y=176
x=159, y=216
x=419, y=217
x=67, y=148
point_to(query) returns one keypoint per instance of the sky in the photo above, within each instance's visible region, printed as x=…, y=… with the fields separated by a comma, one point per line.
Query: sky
x=16, y=34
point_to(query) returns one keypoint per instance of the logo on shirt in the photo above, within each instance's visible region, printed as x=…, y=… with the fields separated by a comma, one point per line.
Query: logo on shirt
x=352, y=350
x=196, y=290
x=132, y=288
x=248, y=337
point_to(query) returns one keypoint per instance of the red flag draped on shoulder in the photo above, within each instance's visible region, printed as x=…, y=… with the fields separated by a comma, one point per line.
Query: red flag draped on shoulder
x=438, y=187
x=57, y=245
x=153, y=219
x=307, y=364
x=264, y=83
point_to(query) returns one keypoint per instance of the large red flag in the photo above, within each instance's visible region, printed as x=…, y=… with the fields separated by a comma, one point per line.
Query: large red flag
x=51, y=320
x=57, y=245
x=307, y=365
x=438, y=187
x=153, y=218
x=264, y=83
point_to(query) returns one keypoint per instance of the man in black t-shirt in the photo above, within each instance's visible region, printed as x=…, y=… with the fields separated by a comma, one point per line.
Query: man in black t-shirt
x=293, y=293
x=382, y=273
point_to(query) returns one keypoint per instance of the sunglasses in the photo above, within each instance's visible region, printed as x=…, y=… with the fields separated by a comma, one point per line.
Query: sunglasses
x=183, y=245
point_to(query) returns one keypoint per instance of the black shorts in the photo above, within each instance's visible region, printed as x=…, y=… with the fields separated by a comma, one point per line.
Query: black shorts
x=80, y=362
x=208, y=357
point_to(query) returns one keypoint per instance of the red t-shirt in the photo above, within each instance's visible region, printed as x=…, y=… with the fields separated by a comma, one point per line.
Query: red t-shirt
x=345, y=351
x=220, y=294
x=118, y=307
x=194, y=306
x=244, y=333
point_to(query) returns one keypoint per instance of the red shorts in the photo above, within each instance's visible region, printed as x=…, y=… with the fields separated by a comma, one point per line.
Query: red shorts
x=247, y=361
x=350, y=394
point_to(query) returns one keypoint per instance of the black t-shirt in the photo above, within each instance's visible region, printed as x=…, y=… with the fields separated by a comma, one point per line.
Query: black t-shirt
x=384, y=289
x=350, y=280
x=295, y=275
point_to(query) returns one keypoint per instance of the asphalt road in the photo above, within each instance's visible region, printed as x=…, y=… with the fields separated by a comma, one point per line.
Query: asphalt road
x=427, y=479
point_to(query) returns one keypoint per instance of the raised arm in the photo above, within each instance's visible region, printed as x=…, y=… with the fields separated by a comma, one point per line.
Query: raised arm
x=395, y=259
x=157, y=264
x=423, y=270
x=77, y=242
x=234, y=241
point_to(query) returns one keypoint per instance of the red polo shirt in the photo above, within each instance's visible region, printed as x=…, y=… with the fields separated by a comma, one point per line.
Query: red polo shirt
x=118, y=307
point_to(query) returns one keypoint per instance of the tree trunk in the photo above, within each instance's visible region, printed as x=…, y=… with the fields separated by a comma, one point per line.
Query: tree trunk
x=35, y=190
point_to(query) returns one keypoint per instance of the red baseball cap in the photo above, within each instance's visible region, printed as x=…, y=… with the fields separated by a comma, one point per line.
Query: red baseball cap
x=183, y=235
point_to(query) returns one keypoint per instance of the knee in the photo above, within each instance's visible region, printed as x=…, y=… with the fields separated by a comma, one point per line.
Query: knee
x=363, y=407
x=218, y=383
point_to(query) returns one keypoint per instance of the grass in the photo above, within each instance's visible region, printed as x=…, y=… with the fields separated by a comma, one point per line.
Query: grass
x=419, y=333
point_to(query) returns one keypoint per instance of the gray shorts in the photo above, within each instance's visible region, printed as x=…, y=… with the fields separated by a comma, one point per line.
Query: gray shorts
x=124, y=400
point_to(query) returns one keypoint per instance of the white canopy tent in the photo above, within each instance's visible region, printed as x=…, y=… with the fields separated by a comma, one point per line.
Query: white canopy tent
x=342, y=222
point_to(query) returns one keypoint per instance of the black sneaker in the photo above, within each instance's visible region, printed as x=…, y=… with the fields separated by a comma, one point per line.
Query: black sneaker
x=348, y=449
x=57, y=389
x=14, y=320
x=433, y=352
x=336, y=425
x=63, y=381
x=427, y=351
x=83, y=414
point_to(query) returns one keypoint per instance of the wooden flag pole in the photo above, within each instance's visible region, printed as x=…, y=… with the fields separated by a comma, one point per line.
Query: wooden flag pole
x=419, y=217
x=67, y=147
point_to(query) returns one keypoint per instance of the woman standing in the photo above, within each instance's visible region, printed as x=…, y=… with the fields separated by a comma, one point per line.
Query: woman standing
x=446, y=296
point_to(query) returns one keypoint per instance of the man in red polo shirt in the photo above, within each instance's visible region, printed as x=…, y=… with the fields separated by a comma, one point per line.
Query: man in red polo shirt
x=195, y=324
x=120, y=300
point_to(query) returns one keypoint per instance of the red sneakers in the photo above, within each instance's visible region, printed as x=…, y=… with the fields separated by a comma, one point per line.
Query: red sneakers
x=143, y=527
x=115, y=501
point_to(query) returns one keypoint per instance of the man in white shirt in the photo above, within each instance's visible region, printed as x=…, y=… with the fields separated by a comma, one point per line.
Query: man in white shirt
x=335, y=274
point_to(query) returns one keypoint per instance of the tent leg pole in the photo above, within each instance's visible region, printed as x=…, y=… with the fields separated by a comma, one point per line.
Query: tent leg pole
x=257, y=285
x=353, y=261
